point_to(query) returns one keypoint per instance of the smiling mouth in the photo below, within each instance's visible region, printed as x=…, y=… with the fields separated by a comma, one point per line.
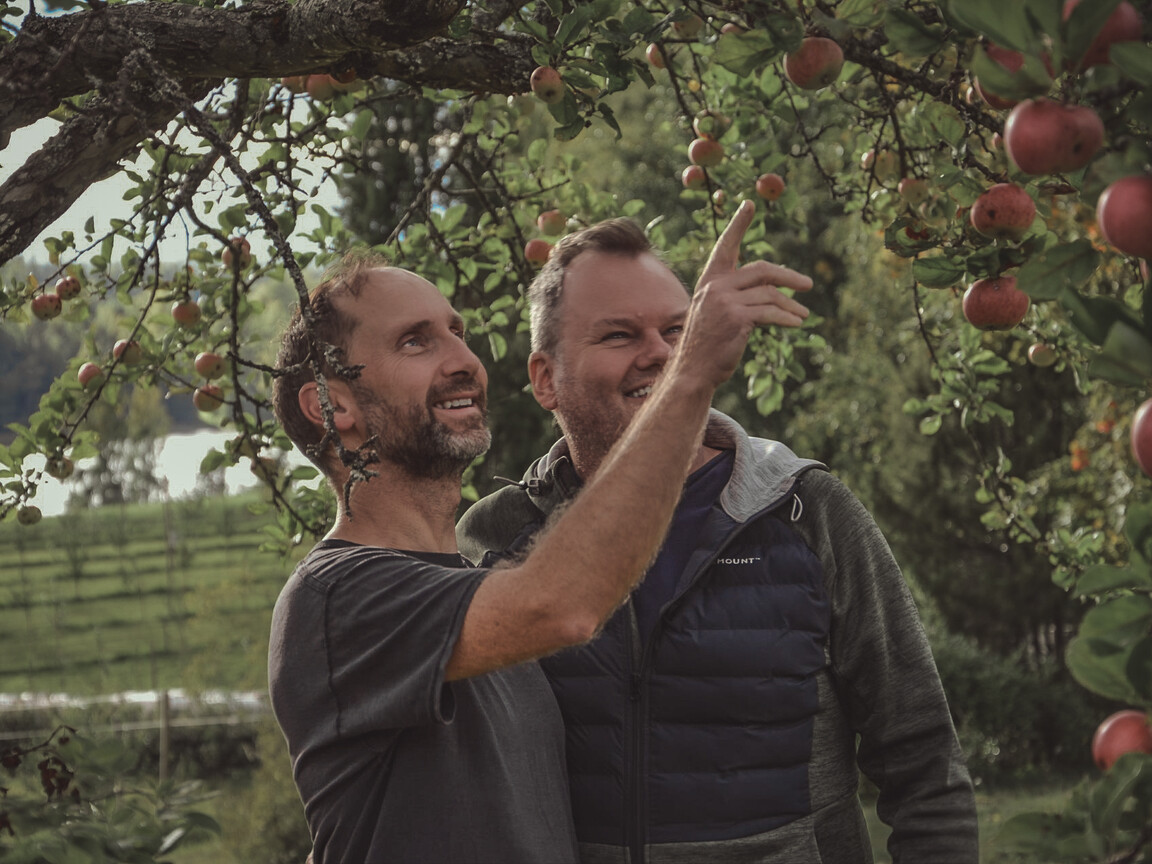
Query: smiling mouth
x=639, y=392
x=449, y=404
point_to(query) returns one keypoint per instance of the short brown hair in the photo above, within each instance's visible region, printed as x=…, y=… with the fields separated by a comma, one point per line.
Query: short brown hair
x=331, y=327
x=615, y=236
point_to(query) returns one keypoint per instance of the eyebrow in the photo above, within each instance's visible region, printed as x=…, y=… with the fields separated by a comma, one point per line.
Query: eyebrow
x=677, y=318
x=427, y=324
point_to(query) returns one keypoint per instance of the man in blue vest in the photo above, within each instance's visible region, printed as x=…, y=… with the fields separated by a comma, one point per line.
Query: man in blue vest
x=772, y=650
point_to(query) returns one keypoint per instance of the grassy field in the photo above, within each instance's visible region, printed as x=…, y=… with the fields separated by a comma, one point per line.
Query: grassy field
x=138, y=597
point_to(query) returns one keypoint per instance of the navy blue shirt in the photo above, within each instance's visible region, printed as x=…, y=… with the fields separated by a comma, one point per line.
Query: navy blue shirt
x=701, y=490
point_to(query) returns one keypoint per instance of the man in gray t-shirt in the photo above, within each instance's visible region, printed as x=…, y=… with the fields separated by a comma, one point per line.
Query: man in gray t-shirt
x=418, y=727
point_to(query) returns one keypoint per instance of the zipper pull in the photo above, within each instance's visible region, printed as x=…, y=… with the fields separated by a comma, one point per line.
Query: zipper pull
x=635, y=688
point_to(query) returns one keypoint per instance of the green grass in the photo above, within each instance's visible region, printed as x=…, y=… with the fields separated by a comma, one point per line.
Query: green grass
x=137, y=597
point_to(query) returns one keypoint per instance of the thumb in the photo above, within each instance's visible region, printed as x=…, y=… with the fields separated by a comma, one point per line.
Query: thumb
x=726, y=253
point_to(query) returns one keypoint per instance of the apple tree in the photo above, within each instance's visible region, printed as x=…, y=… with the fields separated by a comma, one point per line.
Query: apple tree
x=1000, y=151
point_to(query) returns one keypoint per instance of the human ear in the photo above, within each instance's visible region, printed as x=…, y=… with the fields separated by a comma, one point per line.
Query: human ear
x=343, y=406
x=542, y=374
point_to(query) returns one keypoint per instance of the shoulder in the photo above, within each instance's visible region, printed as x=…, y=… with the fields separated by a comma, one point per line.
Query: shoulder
x=493, y=522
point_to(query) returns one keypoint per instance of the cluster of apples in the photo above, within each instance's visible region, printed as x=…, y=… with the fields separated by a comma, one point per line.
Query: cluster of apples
x=322, y=87
x=50, y=304
x=187, y=314
x=550, y=223
x=1042, y=136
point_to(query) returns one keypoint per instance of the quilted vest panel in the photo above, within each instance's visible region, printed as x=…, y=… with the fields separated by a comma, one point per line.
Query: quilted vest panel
x=705, y=733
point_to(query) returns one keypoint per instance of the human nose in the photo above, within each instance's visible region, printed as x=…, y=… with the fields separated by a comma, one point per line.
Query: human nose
x=461, y=359
x=655, y=350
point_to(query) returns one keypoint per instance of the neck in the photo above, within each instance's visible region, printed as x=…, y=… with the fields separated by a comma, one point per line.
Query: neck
x=397, y=511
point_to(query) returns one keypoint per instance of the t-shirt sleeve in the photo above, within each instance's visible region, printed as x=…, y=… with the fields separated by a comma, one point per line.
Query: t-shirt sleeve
x=391, y=625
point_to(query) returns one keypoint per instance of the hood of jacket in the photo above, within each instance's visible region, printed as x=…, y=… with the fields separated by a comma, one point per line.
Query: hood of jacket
x=764, y=471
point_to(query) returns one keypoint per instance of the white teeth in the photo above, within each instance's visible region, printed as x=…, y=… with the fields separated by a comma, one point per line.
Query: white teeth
x=455, y=403
x=643, y=391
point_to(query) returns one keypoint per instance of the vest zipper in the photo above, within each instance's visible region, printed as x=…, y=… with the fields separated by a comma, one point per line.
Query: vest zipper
x=637, y=786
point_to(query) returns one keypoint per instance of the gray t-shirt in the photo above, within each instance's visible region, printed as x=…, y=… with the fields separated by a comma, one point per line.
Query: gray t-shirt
x=394, y=764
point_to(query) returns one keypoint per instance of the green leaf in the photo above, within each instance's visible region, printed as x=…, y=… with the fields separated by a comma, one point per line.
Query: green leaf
x=574, y=25
x=1134, y=59
x=937, y=272
x=1083, y=24
x=1005, y=23
x=1054, y=271
x=1031, y=80
x=1094, y=316
x=1120, y=621
x=1101, y=668
x=1126, y=356
x=743, y=53
x=362, y=124
x=1102, y=578
x=931, y=425
x=1138, y=530
x=945, y=120
x=909, y=34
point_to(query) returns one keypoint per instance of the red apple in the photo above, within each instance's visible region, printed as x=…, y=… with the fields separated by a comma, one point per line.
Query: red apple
x=320, y=87
x=706, y=152
x=60, y=467
x=68, y=287
x=1011, y=61
x=1123, y=732
x=208, y=397
x=1004, y=212
x=46, y=306
x=537, y=251
x=769, y=186
x=547, y=84
x=1045, y=137
x=240, y=245
x=815, y=65
x=186, y=313
x=1041, y=355
x=1124, y=213
x=29, y=514
x=1123, y=25
x=732, y=27
x=1141, y=437
x=90, y=373
x=129, y=352
x=210, y=365
x=652, y=52
x=551, y=222
x=995, y=304
x=693, y=177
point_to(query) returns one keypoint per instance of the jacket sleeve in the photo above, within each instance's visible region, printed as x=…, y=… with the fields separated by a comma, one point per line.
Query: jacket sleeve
x=888, y=683
x=504, y=519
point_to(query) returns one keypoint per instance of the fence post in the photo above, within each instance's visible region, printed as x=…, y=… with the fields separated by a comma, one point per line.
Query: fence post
x=165, y=734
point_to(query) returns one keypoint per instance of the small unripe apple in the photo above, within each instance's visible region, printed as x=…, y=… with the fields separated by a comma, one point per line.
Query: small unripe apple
x=1124, y=213
x=1141, y=437
x=208, y=397
x=90, y=373
x=1123, y=25
x=815, y=64
x=706, y=152
x=537, y=251
x=29, y=514
x=914, y=190
x=128, y=351
x=732, y=27
x=995, y=304
x=1041, y=355
x=654, y=56
x=1123, y=732
x=710, y=124
x=295, y=83
x=769, y=186
x=46, y=306
x=1045, y=137
x=551, y=222
x=237, y=245
x=60, y=467
x=68, y=287
x=719, y=197
x=186, y=313
x=1004, y=212
x=210, y=365
x=689, y=28
x=693, y=177
x=885, y=165
x=547, y=84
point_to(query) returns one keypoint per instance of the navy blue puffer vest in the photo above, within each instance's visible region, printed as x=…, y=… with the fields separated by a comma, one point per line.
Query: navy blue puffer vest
x=705, y=732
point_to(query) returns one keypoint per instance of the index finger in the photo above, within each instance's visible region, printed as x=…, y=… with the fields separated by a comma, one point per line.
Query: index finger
x=726, y=253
